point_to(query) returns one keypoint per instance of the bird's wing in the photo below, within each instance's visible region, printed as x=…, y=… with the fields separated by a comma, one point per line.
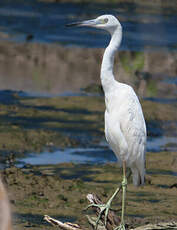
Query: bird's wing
x=132, y=124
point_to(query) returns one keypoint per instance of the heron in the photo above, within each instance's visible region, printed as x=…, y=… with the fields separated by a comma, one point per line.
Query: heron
x=125, y=127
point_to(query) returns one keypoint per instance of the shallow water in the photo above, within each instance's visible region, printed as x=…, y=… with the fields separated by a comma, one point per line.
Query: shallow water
x=100, y=155
x=45, y=22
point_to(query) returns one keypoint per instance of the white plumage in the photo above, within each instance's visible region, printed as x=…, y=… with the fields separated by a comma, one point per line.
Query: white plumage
x=125, y=128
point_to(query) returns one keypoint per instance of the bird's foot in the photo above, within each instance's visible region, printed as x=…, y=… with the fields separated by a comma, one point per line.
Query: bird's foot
x=120, y=227
x=104, y=209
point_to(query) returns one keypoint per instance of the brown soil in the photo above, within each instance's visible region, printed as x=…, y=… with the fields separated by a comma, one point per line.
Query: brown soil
x=60, y=191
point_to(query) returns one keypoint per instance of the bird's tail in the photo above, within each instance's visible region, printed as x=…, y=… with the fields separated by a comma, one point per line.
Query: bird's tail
x=138, y=174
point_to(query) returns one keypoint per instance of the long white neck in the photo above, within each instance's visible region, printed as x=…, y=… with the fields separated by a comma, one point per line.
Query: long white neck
x=107, y=76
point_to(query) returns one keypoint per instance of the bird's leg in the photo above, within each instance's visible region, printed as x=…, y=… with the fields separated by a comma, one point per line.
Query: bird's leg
x=124, y=186
x=104, y=208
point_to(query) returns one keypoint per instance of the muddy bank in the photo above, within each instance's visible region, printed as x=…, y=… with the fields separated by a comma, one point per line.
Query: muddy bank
x=54, y=69
x=60, y=190
x=34, y=124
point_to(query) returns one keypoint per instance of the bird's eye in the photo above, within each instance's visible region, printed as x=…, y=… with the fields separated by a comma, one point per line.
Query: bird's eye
x=105, y=20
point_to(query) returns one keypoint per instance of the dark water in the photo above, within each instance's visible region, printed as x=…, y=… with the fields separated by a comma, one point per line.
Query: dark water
x=45, y=22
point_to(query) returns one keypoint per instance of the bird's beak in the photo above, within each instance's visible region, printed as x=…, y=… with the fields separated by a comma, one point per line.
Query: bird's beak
x=84, y=23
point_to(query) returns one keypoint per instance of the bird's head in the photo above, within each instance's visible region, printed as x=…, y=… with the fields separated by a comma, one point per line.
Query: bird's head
x=106, y=22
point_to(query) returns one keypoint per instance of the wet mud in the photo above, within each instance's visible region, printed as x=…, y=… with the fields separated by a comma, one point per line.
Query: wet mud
x=60, y=191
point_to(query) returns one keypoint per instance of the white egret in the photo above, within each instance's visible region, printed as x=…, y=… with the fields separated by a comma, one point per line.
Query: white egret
x=125, y=127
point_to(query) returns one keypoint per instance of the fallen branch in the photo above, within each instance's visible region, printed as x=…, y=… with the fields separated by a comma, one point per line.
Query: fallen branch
x=112, y=221
x=65, y=226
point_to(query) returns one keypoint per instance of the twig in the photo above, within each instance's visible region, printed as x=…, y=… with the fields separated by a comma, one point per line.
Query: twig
x=65, y=226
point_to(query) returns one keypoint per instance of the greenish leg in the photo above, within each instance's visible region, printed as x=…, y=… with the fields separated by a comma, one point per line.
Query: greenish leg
x=124, y=186
x=109, y=203
x=104, y=208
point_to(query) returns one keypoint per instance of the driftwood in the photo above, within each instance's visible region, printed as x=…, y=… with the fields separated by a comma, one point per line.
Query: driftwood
x=65, y=226
x=112, y=220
